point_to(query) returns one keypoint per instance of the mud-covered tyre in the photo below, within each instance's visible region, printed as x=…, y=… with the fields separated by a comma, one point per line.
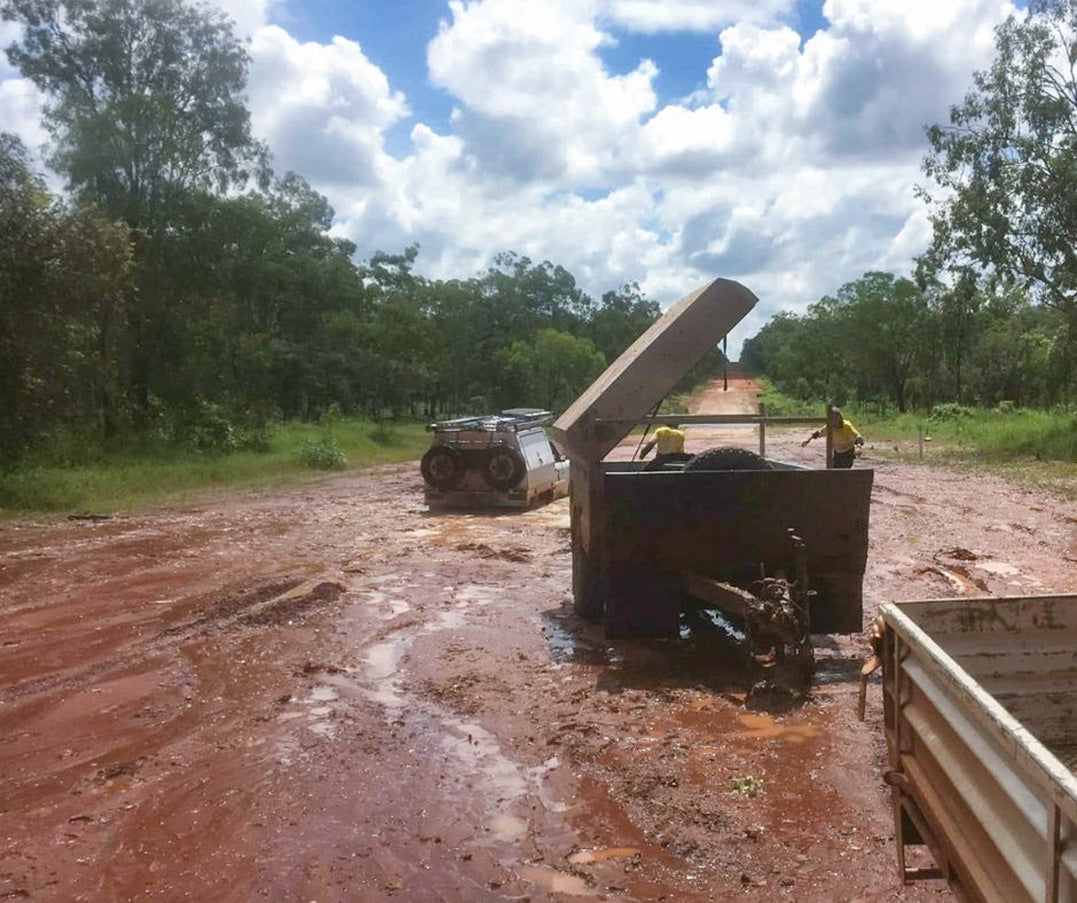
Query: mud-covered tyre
x=441, y=466
x=727, y=457
x=503, y=467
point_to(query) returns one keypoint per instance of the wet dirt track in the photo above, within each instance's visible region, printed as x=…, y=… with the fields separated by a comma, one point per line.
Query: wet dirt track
x=330, y=694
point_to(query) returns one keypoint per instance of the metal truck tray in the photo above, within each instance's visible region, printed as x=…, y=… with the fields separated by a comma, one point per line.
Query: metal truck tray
x=980, y=698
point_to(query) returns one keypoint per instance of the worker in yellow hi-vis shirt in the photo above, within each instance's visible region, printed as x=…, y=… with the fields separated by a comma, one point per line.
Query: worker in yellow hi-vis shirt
x=844, y=438
x=670, y=441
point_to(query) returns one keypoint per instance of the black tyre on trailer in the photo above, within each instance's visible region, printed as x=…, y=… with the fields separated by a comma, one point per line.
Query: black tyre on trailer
x=727, y=457
x=441, y=466
x=503, y=467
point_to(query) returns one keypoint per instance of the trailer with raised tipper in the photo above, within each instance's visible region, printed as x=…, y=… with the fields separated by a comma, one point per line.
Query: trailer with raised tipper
x=651, y=544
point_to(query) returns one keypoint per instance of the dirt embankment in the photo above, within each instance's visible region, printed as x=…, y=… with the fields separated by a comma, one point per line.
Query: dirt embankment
x=331, y=694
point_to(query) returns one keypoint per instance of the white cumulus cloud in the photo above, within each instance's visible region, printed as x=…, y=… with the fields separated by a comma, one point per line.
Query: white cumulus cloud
x=650, y=16
x=791, y=169
x=323, y=108
x=534, y=99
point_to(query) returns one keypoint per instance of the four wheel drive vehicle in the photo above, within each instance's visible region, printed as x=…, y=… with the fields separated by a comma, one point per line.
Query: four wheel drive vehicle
x=503, y=460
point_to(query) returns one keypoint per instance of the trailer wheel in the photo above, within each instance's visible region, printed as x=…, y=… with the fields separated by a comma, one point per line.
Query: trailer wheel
x=440, y=466
x=727, y=457
x=503, y=467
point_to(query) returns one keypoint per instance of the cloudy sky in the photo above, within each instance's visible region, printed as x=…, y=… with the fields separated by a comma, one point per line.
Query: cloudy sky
x=775, y=142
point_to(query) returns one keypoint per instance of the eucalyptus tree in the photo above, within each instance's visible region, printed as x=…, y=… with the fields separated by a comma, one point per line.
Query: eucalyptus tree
x=144, y=105
x=1005, y=166
x=64, y=273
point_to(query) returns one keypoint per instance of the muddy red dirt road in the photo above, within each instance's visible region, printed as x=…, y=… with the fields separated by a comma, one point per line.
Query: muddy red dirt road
x=330, y=694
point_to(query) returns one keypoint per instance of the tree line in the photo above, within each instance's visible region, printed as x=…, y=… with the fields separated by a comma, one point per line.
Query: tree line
x=181, y=289
x=888, y=340
x=989, y=315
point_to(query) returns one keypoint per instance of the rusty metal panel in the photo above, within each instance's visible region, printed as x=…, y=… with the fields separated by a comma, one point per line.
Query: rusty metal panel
x=981, y=736
x=634, y=383
x=728, y=525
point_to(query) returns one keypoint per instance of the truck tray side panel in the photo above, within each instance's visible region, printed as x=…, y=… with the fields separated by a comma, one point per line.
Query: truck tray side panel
x=973, y=690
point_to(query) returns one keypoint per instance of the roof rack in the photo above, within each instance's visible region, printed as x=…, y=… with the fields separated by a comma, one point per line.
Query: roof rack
x=509, y=420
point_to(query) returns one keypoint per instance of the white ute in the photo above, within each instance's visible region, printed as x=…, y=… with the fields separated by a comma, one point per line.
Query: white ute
x=500, y=460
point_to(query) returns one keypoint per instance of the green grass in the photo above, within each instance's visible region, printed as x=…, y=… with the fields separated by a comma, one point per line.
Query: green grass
x=1030, y=447
x=160, y=474
x=779, y=405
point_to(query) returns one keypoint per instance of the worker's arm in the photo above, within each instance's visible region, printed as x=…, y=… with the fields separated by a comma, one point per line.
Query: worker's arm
x=646, y=448
x=818, y=434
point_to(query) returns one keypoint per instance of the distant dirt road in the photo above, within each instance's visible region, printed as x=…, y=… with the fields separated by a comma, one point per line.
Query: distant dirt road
x=329, y=694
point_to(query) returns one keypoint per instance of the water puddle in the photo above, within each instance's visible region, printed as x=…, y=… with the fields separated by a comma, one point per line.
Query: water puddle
x=763, y=727
x=382, y=660
x=322, y=694
x=478, y=752
x=583, y=857
x=465, y=748
x=999, y=567
x=554, y=881
x=424, y=532
x=566, y=646
x=716, y=622
x=507, y=828
x=475, y=594
x=396, y=607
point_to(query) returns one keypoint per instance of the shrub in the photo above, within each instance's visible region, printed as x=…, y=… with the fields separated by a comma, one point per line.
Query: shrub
x=950, y=413
x=323, y=454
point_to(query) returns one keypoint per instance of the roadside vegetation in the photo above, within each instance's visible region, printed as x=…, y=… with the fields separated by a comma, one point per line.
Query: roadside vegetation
x=978, y=344
x=163, y=472
x=1030, y=446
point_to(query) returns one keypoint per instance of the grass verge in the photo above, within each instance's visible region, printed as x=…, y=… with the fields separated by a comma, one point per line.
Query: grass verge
x=154, y=475
x=1030, y=447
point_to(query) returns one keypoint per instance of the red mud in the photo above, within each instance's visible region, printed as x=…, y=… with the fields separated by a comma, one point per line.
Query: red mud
x=329, y=694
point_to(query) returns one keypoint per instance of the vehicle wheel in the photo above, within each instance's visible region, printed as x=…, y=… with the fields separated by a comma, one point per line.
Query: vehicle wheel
x=726, y=457
x=440, y=466
x=503, y=467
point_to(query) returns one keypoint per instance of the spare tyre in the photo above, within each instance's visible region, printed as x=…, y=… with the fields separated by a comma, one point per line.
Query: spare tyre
x=727, y=457
x=441, y=466
x=503, y=467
